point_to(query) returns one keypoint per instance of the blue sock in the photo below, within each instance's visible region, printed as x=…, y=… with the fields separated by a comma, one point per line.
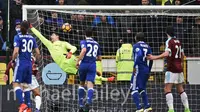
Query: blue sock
x=145, y=98
x=81, y=93
x=18, y=92
x=136, y=99
x=27, y=97
x=90, y=95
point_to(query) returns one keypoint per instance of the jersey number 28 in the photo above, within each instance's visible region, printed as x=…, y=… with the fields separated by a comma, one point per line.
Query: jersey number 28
x=27, y=45
x=92, y=50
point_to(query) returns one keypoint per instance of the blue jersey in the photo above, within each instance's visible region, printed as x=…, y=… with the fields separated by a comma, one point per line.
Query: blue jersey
x=141, y=50
x=93, y=50
x=26, y=44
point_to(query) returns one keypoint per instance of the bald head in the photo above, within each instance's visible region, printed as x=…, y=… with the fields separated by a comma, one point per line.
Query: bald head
x=145, y=2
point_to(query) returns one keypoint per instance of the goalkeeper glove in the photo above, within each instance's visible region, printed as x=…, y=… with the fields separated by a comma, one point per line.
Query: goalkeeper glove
x=69, y=55
x=111, y=79
x=30, y=25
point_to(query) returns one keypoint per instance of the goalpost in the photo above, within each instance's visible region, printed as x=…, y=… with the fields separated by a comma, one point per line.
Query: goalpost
x=112, y=23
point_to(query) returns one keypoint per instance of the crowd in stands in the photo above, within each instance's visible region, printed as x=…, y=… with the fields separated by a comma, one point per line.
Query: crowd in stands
x=127, y=26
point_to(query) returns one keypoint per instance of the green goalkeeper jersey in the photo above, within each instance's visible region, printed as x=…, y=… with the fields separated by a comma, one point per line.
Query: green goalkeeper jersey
x=58, y=51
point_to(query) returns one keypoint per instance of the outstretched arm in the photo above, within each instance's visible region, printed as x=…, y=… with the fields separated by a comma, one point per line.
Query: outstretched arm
x=71, y=48
x=45, y=41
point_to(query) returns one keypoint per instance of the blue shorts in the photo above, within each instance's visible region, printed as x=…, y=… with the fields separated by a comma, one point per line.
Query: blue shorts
x=139, y=81
x=23, y=73
x=87, y=72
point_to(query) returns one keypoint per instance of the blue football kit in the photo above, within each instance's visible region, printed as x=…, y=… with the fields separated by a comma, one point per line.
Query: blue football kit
x=23, y=68
x=87, y=69
x=141, y=66
x=141, y=75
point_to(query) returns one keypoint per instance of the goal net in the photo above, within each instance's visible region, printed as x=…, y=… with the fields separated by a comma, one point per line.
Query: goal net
x=112, y=24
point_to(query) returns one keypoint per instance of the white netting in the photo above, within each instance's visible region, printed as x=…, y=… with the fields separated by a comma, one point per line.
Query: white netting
x=110, y=26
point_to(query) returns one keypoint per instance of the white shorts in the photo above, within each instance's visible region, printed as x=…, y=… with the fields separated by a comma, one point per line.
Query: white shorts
x=34, y=83
x=175, y=78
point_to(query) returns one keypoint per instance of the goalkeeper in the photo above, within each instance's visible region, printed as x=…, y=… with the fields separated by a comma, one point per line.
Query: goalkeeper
x=58, y=50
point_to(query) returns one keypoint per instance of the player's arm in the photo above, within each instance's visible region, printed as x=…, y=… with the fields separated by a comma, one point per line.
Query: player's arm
x=82, y=54
x=137, y=57
x=15, y=53
x=71, y=48
x=16, y=48
x=163, y=55
x=45, y=41
x=37, y=51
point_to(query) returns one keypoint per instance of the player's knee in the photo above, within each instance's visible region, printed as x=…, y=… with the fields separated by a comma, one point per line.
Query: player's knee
x=141, y=91
x=167, y=90
x=81, y=87
x=90, y=84
x=82, y=83
x=15, y=85
x=36, y=92
x=16, y=88
x=134, y=91
x=25, y=90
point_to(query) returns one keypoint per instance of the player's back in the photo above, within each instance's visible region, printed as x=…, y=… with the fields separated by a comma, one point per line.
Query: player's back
x=26, y=44
x=141, y=50
x=174, y=62
x=92, y=50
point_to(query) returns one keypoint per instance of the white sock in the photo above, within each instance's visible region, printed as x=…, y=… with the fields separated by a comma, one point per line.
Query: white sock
x=184, y=100
x=169, y=99
x=38, y=102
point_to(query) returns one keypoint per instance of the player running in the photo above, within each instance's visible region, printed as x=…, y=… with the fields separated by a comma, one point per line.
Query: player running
x=87, y=70
x=141, y=73
x=34, y=86
x=174, y=74
x=58, y=50
x=23, y=45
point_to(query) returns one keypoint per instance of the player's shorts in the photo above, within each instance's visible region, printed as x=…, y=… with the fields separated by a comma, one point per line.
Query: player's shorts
x=175, y=78
x=22, y=73
x=33, y=85
x=87, y=72
x=139, y=81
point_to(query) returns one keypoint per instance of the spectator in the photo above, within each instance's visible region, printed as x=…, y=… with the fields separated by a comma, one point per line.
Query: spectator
x=127, y=26
x=1, y=30
x=105, y=29
x=17, y=26
x=61, y=2
x=182, y=30
x=1, y=8
x=103, y=19
x=54, y=22
x=15, y=30
x=177, y=2
x=15, y=13
x=195, y=40
x=145, y=2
